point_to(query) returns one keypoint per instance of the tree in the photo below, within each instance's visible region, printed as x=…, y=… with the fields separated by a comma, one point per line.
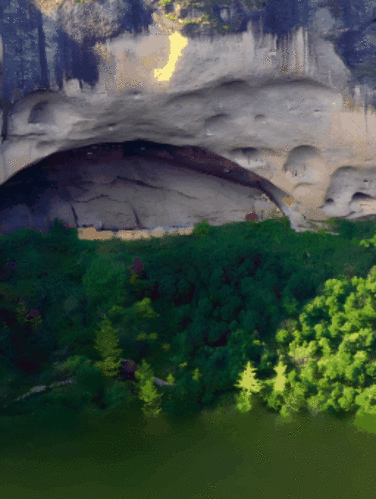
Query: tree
x=105, y=283
x=280, y=379
x=67, y=368
x=116, y=396
x=187, y=396
x=23, y=315
x=248, y=385
x=147, y=391
x=336, y=335
x=196, y=375
x=107, y=344
x=28, y=343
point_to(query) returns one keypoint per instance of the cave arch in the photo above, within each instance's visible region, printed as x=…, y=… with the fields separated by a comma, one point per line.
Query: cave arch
x=130, y=185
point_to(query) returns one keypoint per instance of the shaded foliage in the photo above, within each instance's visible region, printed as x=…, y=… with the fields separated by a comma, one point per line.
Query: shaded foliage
x=219, y=298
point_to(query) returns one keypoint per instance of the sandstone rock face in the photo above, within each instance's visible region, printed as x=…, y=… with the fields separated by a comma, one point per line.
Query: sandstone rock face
x=110, y=192
x=115, y=116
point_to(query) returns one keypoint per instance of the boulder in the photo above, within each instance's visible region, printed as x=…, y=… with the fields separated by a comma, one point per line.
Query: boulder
x=252, y=217
x=213, y=112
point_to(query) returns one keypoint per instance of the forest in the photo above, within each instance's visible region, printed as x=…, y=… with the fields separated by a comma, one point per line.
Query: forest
x=245, y=310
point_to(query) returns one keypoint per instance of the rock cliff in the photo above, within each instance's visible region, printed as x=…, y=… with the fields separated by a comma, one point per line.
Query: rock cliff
x=241, y=107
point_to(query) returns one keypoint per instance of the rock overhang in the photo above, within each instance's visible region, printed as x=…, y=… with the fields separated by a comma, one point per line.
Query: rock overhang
x=279, y=113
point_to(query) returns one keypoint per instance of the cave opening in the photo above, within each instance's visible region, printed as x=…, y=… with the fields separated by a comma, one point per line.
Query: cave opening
x=27, y=197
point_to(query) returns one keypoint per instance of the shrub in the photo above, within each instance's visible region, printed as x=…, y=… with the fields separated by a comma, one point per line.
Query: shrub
x=201, y=229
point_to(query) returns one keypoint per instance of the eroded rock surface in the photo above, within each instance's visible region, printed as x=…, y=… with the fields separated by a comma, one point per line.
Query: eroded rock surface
x=276, y=112
x=106, y=190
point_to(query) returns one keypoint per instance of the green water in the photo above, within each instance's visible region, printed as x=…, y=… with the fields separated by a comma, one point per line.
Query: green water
x=208, y=456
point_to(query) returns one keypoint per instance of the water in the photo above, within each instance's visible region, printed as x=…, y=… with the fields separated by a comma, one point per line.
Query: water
x=215, y=455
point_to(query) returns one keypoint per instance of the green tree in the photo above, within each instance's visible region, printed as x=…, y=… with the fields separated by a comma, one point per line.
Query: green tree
x=280, y=379
x=22, y=315
x=116, y=396
x=92, y=381
x=248, y=385
x=294, y=398
x=335, y=336
x=27, y=343
x=196, y=375
x=104, y=280
x=147, y=391
x=85, y=393
x=107, y=344
x=68, y=368
x=187, y=396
